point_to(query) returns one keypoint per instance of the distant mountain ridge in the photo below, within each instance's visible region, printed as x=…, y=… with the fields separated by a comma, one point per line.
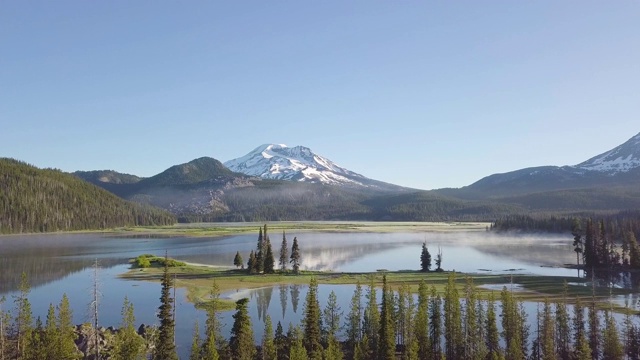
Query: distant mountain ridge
x=299, y=163
x=619, y=166
x=275, y=182
x=107, y=176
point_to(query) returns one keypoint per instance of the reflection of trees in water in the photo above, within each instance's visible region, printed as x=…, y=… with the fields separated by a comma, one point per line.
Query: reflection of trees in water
x=619, y=279
x=41, y=270
x=295, y=297
x=283, y=298
x=263, y=299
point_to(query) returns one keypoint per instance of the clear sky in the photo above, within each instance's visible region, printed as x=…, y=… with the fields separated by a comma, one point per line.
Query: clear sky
x=426, y=94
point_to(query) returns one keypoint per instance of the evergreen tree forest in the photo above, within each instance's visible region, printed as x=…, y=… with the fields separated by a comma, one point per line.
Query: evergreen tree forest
x=609, y=243
x=46, y=200
x=458, y=323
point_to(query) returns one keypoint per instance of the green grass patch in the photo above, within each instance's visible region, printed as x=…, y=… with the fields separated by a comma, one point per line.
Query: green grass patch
x=147, y=260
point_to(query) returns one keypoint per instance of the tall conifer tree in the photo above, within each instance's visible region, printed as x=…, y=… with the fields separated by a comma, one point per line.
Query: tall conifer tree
x=284, y=253
x=295, y=256
x=312, y=322
x=421, y=325
x=241, y=342
x=387, y=347
x=165, y=348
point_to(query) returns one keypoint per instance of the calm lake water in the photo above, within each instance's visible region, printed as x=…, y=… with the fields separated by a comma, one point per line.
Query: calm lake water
x=58, y=264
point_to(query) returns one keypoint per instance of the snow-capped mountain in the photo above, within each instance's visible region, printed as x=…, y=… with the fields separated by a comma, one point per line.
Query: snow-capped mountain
x=620, y=159
x=619, y=166
x=299, y=163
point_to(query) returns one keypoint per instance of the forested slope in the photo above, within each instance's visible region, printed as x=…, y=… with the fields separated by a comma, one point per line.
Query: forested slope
x=42, y=200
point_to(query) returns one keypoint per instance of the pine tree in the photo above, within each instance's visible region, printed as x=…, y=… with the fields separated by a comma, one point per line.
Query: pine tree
x=23, y=322
x=548, y=344
x=260, y=251
x=401, y=317
x=252, y=263
x=241, y=342
x=213, y=333
x=363, y=349
x=269, y=351
x=581, y=350
x=491, y=329
x=593, y=322
x=128, y=345
x=5, y=319
x=333, y=350
x=35, y=349
x=482, y=334
x=51, y=335
x=611, y=347
x=237, y=260
x=284, y=253
x=452, y=320
x=439, y=260
x=576, y=231
x=312, y=322
x=387, y=345
x=421, y=328
x=165, y=348
x=563, y=332
x=410, y=344
x=472, y=334
x=269, y=261
x=194, y=353
x=295, y=256
x=354, y=319
x=281, y=343
x=632, y=339
x=331, y=316
x=435, y=323
x=513, y=324
x=371, y=323
x=425, y=258
x=297, y=350
x=634, y=250
x=67, y=337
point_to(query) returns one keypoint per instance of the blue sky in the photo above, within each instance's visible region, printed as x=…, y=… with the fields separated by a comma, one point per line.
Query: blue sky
x=426, y=94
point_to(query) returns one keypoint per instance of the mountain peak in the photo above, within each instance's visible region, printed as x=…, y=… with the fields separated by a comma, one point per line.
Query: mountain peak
x=193, y=172
x=622, y=158
x=298, y=163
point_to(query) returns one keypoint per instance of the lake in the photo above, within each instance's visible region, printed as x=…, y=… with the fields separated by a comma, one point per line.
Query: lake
x=62, y=263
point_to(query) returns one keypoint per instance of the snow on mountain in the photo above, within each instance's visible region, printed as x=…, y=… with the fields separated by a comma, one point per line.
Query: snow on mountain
x=299, y=163
x=620, y=159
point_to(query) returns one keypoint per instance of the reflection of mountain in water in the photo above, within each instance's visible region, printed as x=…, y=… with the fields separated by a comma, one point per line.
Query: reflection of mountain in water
x=538, y=254
x=331, y=259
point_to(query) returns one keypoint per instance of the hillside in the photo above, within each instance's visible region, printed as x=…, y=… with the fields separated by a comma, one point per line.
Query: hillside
x=43, y=200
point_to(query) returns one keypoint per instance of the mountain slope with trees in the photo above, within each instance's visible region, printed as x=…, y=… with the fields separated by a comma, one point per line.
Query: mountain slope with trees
x=43, y=200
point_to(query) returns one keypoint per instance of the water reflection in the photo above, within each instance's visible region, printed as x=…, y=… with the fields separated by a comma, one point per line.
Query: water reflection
x=295, y=297
x=46, y=258
x=283, y=298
